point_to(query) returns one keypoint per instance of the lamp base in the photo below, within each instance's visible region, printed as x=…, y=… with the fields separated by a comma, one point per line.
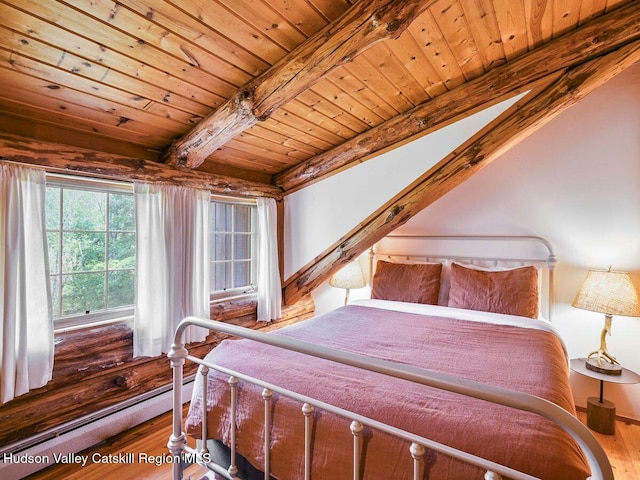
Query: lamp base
x=607, y=368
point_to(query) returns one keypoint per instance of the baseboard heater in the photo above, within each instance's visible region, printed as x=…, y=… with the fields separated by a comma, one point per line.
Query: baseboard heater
x=72, y=425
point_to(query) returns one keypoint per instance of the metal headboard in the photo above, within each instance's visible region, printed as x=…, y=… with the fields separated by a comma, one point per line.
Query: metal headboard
x=546, y=259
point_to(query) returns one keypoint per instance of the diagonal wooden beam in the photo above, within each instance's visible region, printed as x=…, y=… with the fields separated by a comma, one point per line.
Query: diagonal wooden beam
x=361, y=27
x=593, y=39
x=471, y=157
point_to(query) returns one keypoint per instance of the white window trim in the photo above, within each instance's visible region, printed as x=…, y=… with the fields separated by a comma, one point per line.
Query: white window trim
x=247, y=290
x=105, y=317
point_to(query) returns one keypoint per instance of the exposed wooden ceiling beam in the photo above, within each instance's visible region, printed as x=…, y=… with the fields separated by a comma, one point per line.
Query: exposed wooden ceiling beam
x=60, y=158
x=362, y=26
x=474, y=155
x=593, y=39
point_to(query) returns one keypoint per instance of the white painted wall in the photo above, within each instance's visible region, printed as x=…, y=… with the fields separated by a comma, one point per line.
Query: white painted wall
x=576, y=182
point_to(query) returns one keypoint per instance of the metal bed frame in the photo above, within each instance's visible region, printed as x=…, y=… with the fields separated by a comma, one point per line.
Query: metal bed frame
x=595, y=455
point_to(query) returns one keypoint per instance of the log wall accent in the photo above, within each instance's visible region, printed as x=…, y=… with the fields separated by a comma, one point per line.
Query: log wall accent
x=495, y=139
x=94, y=369
x=74, y=160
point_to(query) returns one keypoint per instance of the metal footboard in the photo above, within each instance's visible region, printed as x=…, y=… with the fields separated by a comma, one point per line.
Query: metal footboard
x=595, y=455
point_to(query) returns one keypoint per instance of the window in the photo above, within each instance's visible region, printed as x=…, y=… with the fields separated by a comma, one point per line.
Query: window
x=91, y=236
x=233, y=247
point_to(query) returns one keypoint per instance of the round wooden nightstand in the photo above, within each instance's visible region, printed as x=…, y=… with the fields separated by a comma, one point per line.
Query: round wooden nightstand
x=601, y=413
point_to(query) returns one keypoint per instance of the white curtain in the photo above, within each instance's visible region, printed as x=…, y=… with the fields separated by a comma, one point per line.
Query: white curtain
x=26, y=331
x=269, y=287
x=172, y=265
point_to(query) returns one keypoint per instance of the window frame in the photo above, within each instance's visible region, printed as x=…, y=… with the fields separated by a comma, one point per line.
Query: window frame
x=102, y=317
x=235, y=292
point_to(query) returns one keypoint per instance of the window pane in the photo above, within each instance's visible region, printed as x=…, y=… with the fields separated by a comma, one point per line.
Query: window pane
x=121, y=289
x=241, y=271
x=53, y=240
x=221, y=221
x=221, y=276
x=82, y=293
x=122, y=250
x=232, y=245
x=242, y=247
x=242, y=218
x=82, y=251
x=52, y=208
x=221, y=248
x=84, y=210
x=121, y=212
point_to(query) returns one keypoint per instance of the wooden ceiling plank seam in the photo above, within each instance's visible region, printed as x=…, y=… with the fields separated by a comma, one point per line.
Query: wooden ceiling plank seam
x=122, y=18
x=483, y=26
x=314, y=100
x=32, y=84
x=539, y=23
x=20, y=127
x=189, y=97
x=56, y=101
x=271, y=135
x=593, y=39
x=406, y=89
x=55, y=157
x=333, y=90
x=358, y=29
x=300, y=14
x=428, y=34
x=272, y=152
x=284, y=154
x=460, y=165
x=285, y=130
x=101, y=33
x=347, y=89
x=268, y=21
x=566, y=16
x=407, y=49
x=332, y=9
x=513, y=28
x=455, y=29
x=74, y=71
x=72, y=119
x=248, y=160
x=590, y=9
x=309, y=129
x=236, y=29
x=183, y=25
x=377, y=92
x=319, y=119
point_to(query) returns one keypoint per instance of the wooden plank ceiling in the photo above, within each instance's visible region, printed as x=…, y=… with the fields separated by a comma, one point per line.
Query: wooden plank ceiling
x=137, y=78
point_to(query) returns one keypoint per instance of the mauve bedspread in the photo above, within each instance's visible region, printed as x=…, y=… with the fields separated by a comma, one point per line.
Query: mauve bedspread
x=525, y=359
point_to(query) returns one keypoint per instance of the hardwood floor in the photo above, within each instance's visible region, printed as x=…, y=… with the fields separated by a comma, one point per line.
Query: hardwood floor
x=623, y=448
x=150, y=438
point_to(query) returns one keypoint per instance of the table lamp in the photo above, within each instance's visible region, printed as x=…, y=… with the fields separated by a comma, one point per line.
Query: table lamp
x=611, y=293
x=350, y=276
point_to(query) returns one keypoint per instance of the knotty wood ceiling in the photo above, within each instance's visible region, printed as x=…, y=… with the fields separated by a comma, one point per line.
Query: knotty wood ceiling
x=129, y=77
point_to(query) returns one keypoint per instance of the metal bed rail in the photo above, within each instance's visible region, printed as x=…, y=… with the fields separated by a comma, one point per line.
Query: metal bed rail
x=595, y=455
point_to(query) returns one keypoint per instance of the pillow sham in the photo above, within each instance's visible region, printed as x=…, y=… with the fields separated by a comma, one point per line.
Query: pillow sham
x=514, y=291
x=407, y=282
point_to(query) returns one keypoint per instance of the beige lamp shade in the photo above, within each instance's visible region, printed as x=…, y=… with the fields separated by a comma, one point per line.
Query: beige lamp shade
x=608, y=292
x=350, y=276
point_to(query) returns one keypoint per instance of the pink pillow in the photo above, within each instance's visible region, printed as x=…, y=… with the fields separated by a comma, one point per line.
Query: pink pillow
x=514, y=292
x=402, y=282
